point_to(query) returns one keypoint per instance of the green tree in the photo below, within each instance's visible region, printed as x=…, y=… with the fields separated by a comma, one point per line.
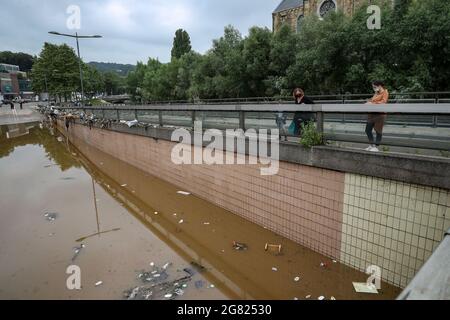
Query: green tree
x=181, y=44
x=57, y=69
x=256, y=54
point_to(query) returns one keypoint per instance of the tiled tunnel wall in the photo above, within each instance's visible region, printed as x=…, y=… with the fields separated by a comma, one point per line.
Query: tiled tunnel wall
x=358, y=220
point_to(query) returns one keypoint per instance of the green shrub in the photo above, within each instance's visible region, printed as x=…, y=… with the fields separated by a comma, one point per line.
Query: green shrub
x=310, y=136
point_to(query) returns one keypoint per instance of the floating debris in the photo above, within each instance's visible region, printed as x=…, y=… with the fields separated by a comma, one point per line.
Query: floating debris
x=123, y=185
x=184, y=193
x=181, y=221
x=321, y=298
x=179, y=292
x=156, y=288
x=297, y=279
x=334, y=261
x=323, y=265
x=206, y=223
x=272, y=247
x=168, y=264
x=156, y=213
x=152, y=264
x=211, y=286
x=199, y=284
x=98, y=283
x=51, y=234
x=77, y=251
x=363, y=287
x=59, y=139
x=308, y=296
x=274, y=269
x=51, y=216
x=239, y=246
x=333, y=298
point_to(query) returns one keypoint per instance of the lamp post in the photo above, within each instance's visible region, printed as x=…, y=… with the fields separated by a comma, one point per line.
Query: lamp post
x=77, y=36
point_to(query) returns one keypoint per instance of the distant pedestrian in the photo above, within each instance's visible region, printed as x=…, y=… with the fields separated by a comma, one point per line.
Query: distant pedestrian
x=281, y=122
x=376, y=120
x=301, y=118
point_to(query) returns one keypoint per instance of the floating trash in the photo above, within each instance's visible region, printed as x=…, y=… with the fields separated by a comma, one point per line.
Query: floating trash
x=272, y=247
x=152, y=264
x=308, y=296
x=333, y=298
x=168, y=264
x=179, y=292
x=274, y=269
x=181, y=221
x=59, y=139
x=168, y=296
x=206, y=223
x=239, y=246
x=297, y=279
x=334, y=261
x=211, y=286
x=98, y=283
x=323, y=265
x=363, y=287
x=123, y=185
x=51, y=216
x=77, y=251
x=184, y=193
x=321, y=298
x=155, y=213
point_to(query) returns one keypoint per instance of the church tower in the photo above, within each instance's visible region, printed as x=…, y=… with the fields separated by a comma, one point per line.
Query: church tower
x=292, y=12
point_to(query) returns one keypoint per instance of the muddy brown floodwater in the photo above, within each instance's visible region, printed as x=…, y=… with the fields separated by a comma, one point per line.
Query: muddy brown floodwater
x=109, y=207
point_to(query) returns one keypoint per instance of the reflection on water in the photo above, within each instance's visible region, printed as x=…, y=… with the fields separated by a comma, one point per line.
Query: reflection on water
x=128, y=218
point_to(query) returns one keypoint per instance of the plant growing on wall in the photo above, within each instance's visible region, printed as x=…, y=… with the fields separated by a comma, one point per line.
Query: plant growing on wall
x=310, y=136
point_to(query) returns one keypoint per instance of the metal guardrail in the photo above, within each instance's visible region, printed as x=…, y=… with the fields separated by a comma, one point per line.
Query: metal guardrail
x=346, y=98
x=432, y=282
x=262, y=116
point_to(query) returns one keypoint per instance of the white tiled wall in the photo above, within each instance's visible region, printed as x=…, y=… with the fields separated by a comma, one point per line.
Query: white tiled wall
x=391, y=224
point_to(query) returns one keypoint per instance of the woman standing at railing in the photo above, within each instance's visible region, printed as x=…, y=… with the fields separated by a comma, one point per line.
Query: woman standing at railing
x=376, y=120
x=301, y=118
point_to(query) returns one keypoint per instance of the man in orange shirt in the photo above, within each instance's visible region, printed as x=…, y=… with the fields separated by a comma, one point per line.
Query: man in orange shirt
x=376, y=120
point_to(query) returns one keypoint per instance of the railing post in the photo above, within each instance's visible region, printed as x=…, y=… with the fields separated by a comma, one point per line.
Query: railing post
x=118, y=115
x=242, y=120
x=103, y=113
x=193, y=119
x=160, y=118
x=135, y=114
x=319, y=119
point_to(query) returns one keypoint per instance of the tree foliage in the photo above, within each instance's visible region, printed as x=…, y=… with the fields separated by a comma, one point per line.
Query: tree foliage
x=338, y=54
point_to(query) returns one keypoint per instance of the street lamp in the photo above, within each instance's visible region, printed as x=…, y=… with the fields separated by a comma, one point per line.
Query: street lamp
x=76, y=36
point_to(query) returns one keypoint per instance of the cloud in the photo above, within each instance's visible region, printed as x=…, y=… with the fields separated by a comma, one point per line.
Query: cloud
x=132, y=30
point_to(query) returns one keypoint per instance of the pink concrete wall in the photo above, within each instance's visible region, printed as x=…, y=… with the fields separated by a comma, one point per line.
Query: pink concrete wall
x=302, y=203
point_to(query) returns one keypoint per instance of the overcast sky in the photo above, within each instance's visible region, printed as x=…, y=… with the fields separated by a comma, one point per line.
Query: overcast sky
x=133, y=30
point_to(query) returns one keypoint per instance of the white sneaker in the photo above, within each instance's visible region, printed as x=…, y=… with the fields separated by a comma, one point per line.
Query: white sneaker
x=369, y=148
x=374, y=149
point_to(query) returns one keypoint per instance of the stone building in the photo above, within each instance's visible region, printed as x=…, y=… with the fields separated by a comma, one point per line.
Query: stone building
x=292, y=12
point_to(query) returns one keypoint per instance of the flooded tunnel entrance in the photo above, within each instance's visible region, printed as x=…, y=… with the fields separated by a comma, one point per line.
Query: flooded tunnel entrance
x=130, y=223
